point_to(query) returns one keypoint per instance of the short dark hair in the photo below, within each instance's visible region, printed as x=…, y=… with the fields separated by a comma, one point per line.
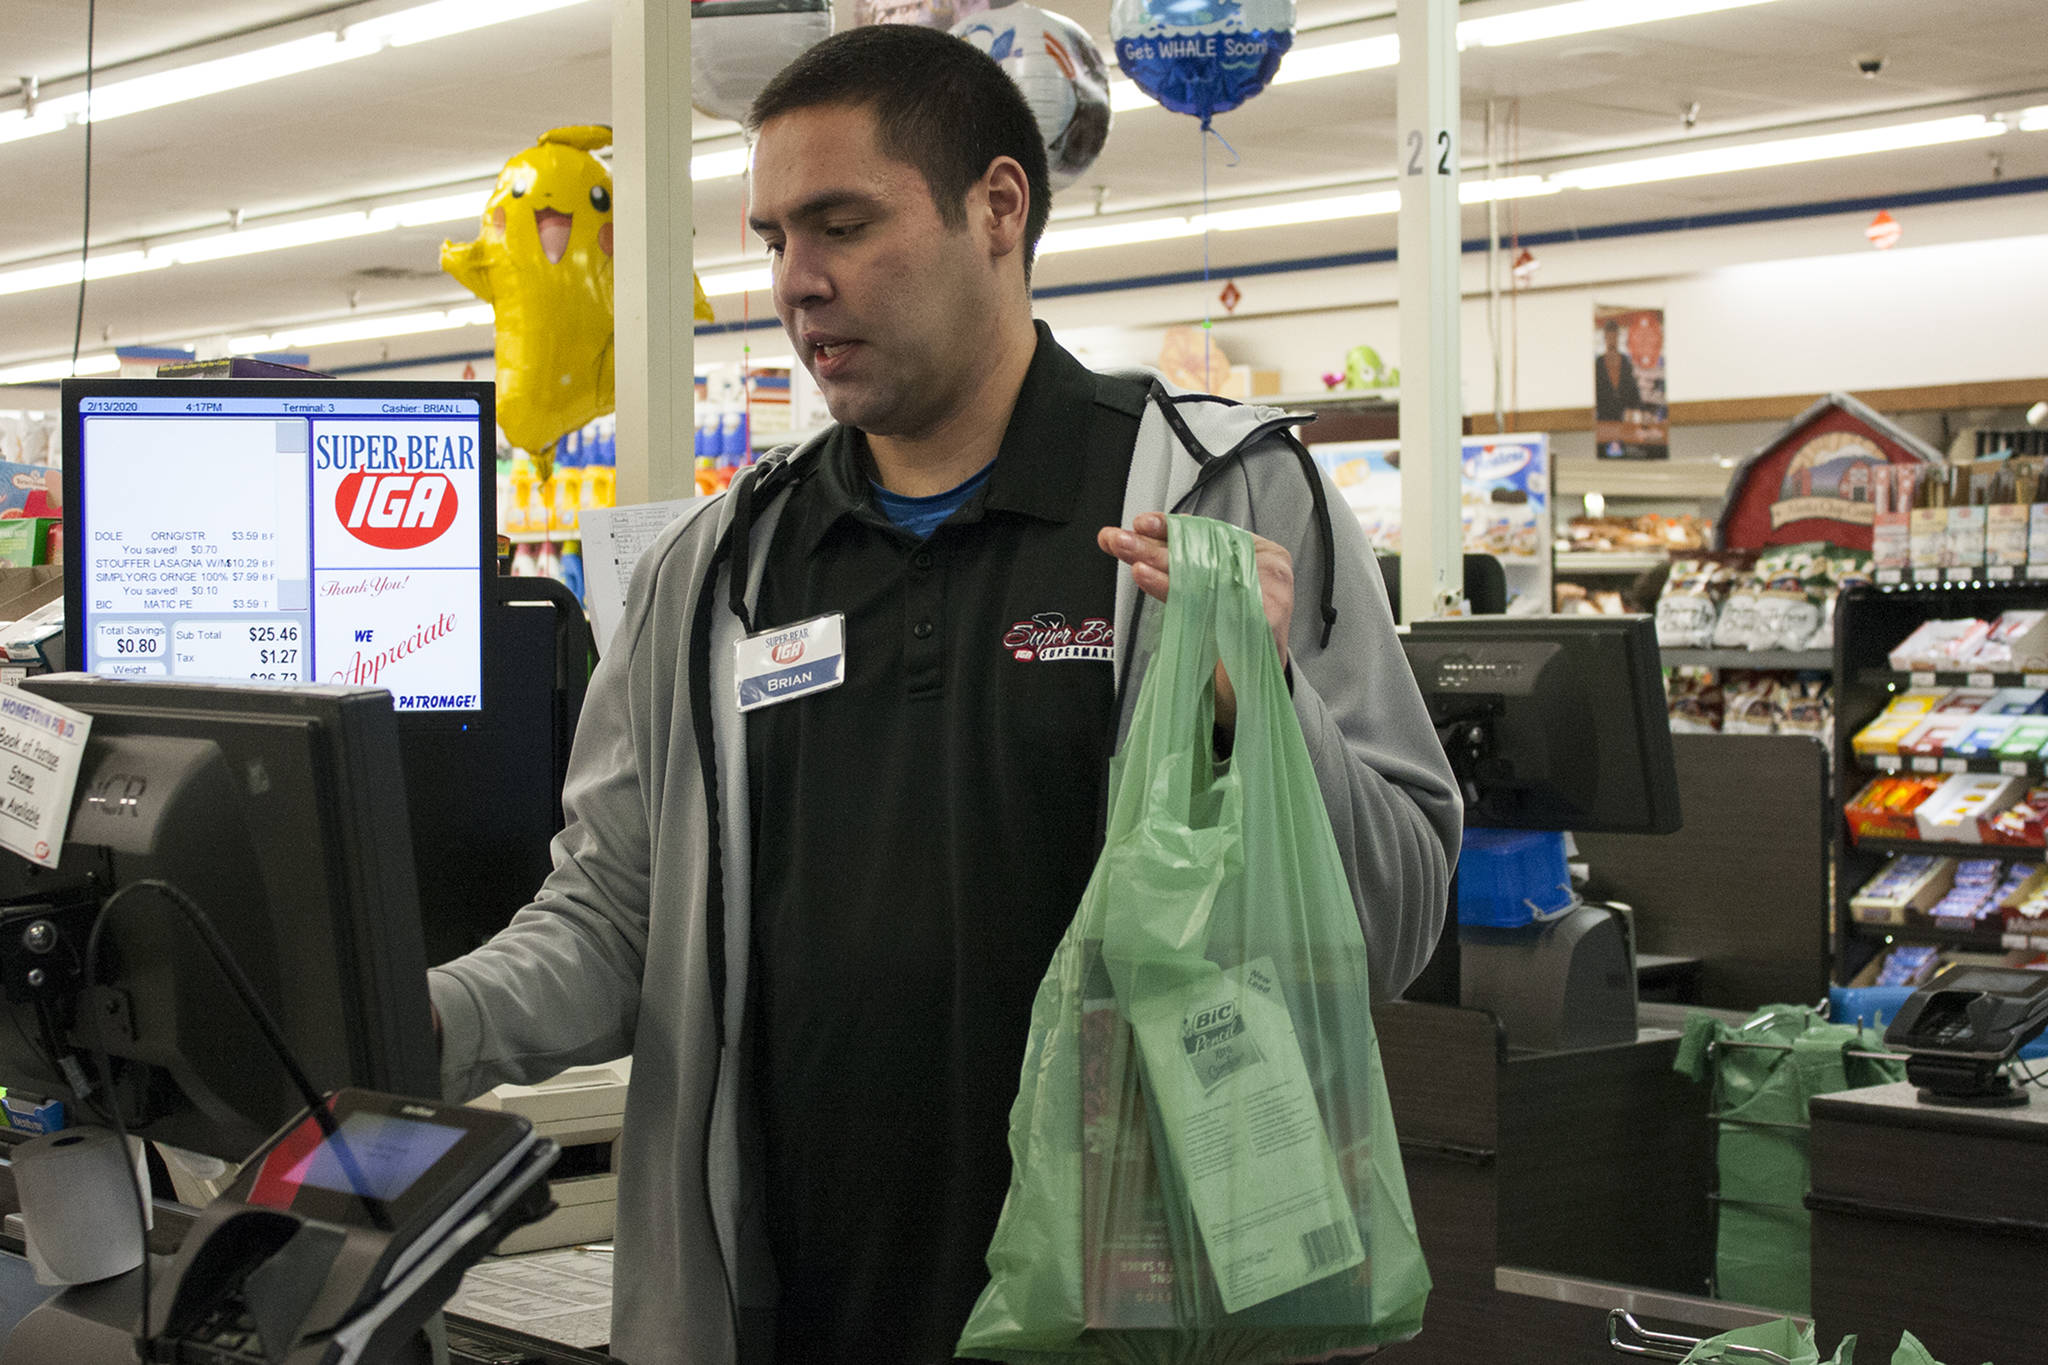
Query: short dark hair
x=940, y=105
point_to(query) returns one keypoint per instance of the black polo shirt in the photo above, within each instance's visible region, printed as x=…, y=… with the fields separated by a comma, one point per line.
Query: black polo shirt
x=922, y=836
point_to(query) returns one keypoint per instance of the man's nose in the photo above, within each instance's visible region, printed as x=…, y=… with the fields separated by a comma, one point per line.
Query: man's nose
x=800, y=280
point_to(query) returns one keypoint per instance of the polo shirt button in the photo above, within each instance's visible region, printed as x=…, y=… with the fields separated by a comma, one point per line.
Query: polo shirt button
x=922, y=630
x=922, y=559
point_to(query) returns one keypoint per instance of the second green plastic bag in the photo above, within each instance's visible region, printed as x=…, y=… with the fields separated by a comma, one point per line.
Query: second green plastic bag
x=1204, y=1169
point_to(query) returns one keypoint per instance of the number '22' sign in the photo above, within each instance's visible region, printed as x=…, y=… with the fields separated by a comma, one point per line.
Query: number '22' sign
x=1443, y=147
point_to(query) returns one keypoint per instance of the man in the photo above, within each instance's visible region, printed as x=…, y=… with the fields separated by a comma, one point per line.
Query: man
x=818, y=924
x=1614, y=378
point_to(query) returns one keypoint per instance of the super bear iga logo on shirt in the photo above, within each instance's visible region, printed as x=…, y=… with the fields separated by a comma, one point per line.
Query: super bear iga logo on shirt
x=1047, y=638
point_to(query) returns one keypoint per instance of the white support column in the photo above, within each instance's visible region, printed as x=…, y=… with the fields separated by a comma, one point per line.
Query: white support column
x=1432, y=560
x=651, y=268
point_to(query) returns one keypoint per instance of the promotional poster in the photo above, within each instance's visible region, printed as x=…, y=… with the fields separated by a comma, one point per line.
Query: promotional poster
x=1631, y=414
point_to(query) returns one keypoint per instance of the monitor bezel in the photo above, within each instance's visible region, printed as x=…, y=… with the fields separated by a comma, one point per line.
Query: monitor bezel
x=78, y=532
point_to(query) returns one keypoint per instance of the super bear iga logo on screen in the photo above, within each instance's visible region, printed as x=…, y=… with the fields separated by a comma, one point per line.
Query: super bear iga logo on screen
x=397, y=498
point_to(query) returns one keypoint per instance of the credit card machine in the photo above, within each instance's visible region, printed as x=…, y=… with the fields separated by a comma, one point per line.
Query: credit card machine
x=342, y=1235
x=1962, y=1027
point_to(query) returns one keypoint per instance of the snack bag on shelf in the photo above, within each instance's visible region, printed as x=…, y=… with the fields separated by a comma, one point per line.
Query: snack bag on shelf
x=1844, y=569
x=1737, y=622
x=1691, y=603
x=1694, y=701
x=1808, y=709
x=1788, y=604
x=1755, y=706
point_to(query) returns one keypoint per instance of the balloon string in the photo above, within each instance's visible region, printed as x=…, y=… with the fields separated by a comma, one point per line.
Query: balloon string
x=1208, y=324
x=1208, y=318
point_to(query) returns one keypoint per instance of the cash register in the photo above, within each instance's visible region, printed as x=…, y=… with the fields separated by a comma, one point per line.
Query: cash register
x=253, y=836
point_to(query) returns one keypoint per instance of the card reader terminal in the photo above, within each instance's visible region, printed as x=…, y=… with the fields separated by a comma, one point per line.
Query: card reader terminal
x=343, y=1234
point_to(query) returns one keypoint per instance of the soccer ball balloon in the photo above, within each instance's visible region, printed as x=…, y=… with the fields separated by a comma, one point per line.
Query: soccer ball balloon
x=1054, y=62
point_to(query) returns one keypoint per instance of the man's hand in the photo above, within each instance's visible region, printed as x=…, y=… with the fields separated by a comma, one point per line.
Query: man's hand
x=1143, y=547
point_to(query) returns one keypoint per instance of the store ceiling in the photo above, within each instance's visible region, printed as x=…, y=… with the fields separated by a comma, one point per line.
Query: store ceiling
x=447, y=114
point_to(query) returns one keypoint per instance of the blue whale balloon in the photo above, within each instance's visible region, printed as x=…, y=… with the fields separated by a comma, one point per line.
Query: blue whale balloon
x=1201, y=57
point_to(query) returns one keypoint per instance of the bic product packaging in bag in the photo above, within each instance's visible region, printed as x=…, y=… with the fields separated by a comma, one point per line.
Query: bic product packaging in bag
x=1205, y=1170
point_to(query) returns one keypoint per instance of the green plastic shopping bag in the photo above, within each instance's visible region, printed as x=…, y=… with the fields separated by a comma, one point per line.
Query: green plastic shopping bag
x=1204, y=1165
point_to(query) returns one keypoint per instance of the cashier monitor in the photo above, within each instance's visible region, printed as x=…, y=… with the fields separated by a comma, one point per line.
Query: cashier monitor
x=1550, y=724
x=280, y=812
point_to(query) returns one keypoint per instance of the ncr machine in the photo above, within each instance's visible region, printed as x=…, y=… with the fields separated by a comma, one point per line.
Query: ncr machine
x=235, y=886
x=1551, y=724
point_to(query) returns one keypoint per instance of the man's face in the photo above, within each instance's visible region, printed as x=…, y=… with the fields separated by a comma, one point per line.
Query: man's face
x=881, y=299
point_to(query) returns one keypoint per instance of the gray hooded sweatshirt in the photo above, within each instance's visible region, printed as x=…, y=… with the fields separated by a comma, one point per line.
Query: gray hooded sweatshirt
x=638, y=942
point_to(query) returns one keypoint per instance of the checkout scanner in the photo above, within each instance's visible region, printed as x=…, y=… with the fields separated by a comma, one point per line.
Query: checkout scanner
x=342, y=1235
x=1551, y=724
x=1960, y=1029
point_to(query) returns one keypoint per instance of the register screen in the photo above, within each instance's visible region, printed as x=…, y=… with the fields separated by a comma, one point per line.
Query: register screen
x=289, y=538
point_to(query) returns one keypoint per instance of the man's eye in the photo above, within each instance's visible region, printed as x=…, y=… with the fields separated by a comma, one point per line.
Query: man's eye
x=842, y=229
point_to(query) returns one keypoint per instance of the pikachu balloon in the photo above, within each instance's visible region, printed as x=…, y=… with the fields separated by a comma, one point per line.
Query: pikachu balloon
x=543, y=260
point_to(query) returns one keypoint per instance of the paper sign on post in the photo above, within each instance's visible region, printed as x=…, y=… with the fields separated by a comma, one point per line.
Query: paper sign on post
x=41, y=746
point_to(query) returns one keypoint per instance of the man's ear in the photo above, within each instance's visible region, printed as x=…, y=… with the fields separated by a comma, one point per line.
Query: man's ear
x=1007, y=196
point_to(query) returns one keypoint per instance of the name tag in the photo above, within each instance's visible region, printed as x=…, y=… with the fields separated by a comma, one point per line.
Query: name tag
x=791, y=661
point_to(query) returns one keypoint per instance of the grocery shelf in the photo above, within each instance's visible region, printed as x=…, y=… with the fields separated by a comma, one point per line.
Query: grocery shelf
x=1923, y=763
x=2012, y=853
x=1891, y=677
x=1330, y=398
x=1803, y=660
x=1932, y=934
x=1608, y=561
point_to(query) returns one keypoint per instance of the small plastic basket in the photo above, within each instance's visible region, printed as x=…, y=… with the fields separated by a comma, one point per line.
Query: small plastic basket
x=1511, y=878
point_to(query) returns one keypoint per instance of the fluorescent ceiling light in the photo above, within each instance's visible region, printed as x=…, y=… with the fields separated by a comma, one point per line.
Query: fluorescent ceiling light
x=2034, y=120
x=115, y=98
x=1507, y=187
x=1339, y=59
x=42, y=371
x=1781, y=152
x=719, y=165
x=363, y=329
x=1583, y=16
x=248, y=241
x=735, y=282
x=59, y=273
x=1300, y=212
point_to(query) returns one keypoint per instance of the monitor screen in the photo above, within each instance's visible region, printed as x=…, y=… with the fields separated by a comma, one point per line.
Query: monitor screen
x=280, y=812
x=320, y=531
x=1551, y=722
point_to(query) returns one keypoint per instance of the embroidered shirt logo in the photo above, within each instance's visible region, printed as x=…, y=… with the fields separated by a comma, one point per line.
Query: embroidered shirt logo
x=1049, y=638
